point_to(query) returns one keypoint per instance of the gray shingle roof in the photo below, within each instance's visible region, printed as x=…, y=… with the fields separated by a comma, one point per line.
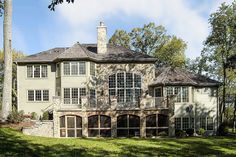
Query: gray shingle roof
x=88, y=52
x=178, y=77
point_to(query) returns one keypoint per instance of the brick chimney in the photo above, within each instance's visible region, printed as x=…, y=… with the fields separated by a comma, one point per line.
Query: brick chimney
x=102, y=39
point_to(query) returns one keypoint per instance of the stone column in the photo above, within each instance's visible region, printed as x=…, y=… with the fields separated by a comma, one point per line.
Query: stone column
x=113, y=125
x=142, y=125
x=84, y=125
x=171, y=105
x=56, y=124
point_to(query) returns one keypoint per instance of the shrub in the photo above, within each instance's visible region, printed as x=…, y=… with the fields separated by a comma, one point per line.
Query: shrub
x=190, y=132
x=201, y=131
x=45, y=116
x=15, y=116
x=34, y=115
x=163, y=133
x=223, y=129
x=180, y=133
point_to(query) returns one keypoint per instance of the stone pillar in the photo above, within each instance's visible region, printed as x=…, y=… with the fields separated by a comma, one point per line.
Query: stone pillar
x=171, y=105
x=113, y=125
x=102, y=39
x=84, y=125
x=56, y=124
x=142, y=125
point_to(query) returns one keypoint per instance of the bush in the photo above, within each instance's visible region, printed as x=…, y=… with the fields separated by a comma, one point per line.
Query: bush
x=45, y=116
x=34, y=115
x=190, y=132
x=15, y=116
x=180, y=133
x=163, y=133
x=223, y=129
x=201, y=131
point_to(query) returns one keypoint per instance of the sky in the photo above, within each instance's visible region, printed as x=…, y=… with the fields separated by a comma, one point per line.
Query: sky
x=36, y=28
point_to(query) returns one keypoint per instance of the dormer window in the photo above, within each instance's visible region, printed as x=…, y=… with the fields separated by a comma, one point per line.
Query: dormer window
x=37, y=71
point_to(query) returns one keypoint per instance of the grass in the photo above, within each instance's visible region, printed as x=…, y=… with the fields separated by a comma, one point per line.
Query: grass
x=15, y=144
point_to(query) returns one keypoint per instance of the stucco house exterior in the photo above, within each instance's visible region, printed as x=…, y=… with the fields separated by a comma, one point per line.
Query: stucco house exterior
x=102, y=90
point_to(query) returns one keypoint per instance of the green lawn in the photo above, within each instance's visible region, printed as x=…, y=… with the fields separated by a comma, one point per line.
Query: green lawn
x=13, y=143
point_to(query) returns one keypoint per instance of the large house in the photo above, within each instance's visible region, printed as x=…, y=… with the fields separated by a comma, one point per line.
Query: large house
x=102, y=90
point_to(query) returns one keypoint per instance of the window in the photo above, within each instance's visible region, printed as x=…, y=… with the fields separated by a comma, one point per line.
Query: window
x=158, y=92
x=73, y=95
x=207, y=123
x=70, y=126
x=66, y=68
x=37, y=71
x=30, y=95
x=99, y=126
x=184, y=123
x=74, y=68
x=82, y=68
x=127, y=88
x=156, y=124
x=92, y=68
x=182, y=93
x=38, y=95
x=58, y=70
x=178, y=123
x=92, y=98
x=128, y=126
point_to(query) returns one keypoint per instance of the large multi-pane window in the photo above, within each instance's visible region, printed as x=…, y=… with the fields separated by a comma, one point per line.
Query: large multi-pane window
x=184, y=123
x=182, y=93
x=92, y=68
x=70, y=126
x=37, y=71
x=92, y=98
x=74, y=68
x=73, y=95
x=99, y=126
x=156, y=124
x=38, y=95
x=126, y=86
x=206, y=123
x=128, y=126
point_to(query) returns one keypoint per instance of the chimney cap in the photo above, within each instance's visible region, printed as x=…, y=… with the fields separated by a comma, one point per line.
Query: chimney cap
x=102, y=24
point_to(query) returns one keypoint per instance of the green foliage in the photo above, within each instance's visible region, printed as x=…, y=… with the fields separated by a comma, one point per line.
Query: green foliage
x=34, y=116
x=15, y=116
x=180, y=133
x=201, y=131
x=190, y=132
x=56, y=2
x=223, y=129
x=45, y=115
x=153, y=40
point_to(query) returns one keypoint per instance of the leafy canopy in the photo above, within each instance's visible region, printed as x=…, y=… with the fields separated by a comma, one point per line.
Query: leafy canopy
x=153, y=40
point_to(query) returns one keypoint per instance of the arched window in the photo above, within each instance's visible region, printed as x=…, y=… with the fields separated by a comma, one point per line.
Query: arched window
x=70, y=126
x=99, y=126
x=126, y=86
x=156, y=125
x=128, y=126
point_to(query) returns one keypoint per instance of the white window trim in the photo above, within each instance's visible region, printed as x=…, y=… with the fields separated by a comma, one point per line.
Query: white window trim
x=41, y=101
x=78, y=70
x=40, y=71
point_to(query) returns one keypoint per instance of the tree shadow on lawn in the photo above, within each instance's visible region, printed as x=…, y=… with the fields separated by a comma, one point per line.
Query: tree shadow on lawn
x=14, y=146
x=183, y=147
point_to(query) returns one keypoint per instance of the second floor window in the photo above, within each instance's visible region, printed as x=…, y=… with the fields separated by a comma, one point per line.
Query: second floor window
x=182, y=93
x=37, y=71
x=74, y=68
x=38, y=95
x=125, y=86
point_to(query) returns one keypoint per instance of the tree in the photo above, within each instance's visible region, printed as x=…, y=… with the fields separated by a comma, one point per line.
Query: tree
x=7, y=85
x=172, y=52
x=152, y=40
x=221, y=42
x=56, y=2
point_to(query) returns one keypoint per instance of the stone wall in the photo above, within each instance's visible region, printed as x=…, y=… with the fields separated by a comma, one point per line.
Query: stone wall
x=41, y=128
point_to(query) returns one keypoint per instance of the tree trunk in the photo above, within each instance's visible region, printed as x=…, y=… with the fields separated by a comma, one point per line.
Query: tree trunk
x=234, y=113
x=7, y=84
